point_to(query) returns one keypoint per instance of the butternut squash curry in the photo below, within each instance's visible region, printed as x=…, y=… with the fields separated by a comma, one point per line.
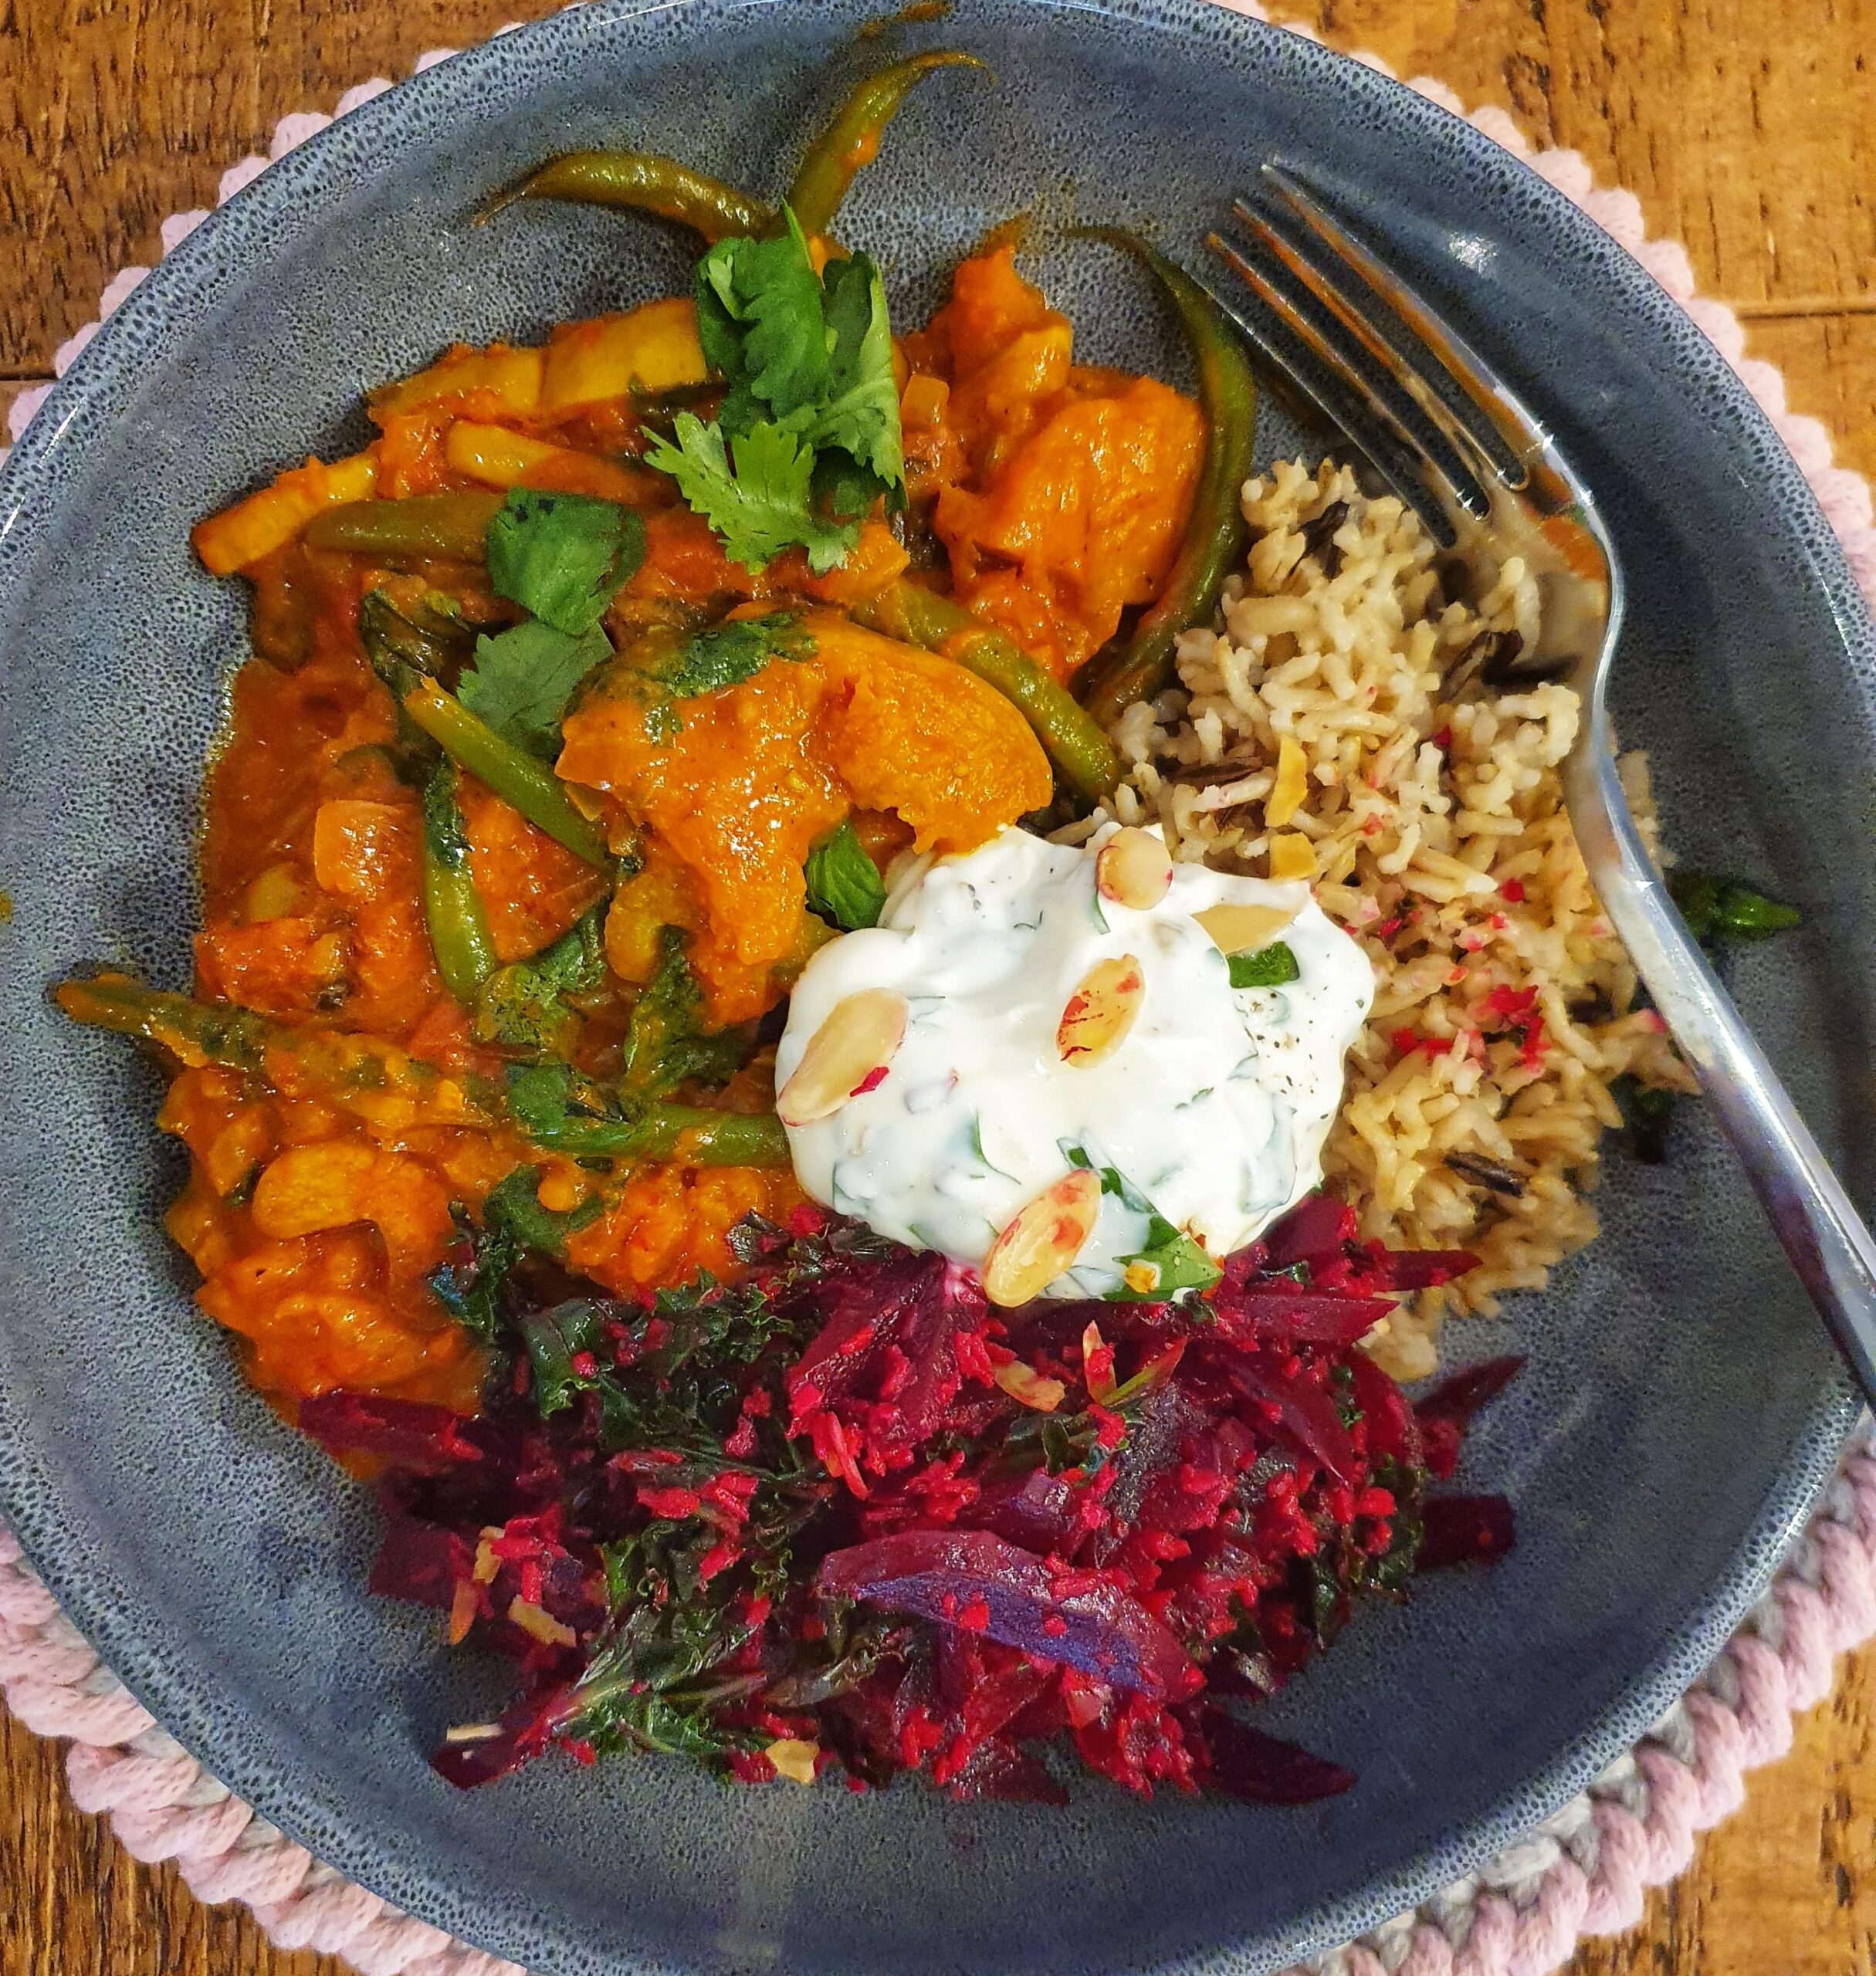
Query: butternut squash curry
x=587, y=703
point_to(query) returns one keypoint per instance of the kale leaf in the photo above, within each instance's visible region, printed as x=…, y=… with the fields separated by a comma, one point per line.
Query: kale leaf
x=527, y=1004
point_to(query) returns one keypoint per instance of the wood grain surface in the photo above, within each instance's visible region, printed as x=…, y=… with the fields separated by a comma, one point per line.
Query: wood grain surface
x=1747, y=130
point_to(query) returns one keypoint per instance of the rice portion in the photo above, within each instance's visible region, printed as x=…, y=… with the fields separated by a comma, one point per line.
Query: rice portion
x=1431, y=806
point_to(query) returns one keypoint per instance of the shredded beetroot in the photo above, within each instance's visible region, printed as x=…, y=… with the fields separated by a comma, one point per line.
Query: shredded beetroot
x=803, y=1509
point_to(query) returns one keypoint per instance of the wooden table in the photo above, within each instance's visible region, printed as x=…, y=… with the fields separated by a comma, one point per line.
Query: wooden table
x=1749, y=132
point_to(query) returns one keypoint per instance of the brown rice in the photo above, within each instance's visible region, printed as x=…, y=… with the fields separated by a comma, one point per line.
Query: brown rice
x=1435, y=817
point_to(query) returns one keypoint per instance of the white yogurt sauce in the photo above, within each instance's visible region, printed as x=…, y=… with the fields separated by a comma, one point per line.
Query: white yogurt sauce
x=1214, y=1106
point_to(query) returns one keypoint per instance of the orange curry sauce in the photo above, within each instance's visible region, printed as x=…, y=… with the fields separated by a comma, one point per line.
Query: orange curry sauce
x=1049, y=498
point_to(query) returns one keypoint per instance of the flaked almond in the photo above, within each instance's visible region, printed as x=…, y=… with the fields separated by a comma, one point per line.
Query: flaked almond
x=1239, y=929
x=1100, y=1010
x=1292, y=785
x=1043, y=1240
x=1291, y=856
x=848, y=1053
x=1029, y=1388
x=794, y=1758
x=1133, y=869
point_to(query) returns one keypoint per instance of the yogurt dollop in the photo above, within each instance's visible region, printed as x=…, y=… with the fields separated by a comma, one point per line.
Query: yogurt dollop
x=1211, y=1112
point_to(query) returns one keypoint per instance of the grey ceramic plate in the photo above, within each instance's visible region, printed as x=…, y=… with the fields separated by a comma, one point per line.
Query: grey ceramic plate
x=1680, y=1408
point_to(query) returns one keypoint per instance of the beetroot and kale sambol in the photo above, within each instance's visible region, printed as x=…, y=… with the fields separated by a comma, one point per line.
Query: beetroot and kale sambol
x=857, y=1001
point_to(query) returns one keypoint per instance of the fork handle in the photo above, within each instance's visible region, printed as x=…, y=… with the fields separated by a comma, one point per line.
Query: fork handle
x=1815, y=1223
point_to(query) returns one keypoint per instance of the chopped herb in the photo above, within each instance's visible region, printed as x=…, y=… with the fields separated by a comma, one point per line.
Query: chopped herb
x=563, y=557
x=727, y=654
x=566, y=1113
x=522, y=679
x=807, y=437
x=1719, y=909
x=1647, y=1114
x=665, y=1043
x=844, y=884
x=1177, y=1262
x=527, y=1005
x=1269, y=967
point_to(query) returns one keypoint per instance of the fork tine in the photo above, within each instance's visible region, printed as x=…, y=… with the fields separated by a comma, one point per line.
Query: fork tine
x=1454, y=450
x=1496, y=424
x=1300, y=350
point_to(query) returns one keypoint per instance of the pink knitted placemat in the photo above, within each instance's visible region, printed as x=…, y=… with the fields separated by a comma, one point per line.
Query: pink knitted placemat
x=1582, y=1872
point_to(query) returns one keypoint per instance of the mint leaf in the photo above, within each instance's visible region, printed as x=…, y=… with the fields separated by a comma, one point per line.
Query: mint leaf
x=523, y=678
x=844, y=884
x=1269, y=967
x=755, y=494
x=727, y=654
x=563, y=557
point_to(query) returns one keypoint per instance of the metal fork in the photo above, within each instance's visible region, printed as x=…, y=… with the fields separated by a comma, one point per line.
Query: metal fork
x=1462, y=448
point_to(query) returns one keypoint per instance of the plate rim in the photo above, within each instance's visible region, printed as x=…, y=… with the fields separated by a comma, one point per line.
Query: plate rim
x=65, y=1552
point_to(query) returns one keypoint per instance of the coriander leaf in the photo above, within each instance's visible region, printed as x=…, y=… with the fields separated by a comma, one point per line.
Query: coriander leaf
x=860, y=411
x=525, y=1005
x=1269, y=967
x=727, y=654
x=522, y=679
x=844, y=884
x=563, y=557
x=665, y=1042
x=1719, y=909
x=759, y=505
x=761, y=321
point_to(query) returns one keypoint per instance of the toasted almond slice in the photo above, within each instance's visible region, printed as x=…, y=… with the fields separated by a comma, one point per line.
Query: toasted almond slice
x=793, y=1758
x=1029, y=1388
x=1291, y=785
x=1134, y=869
x=1239, y=929
x=1043, y=1240
x=848, y=1053
x=1291, y=856
x=1100, y=1010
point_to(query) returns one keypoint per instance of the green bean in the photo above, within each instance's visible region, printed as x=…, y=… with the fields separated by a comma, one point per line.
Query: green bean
x=361, y=1075
x=1215, y=534
x=520, y=780
x=375, y=1081
x=1083, y=756
x=443, y=528
x=459, y=934
x=852, y=141
x=643, y=181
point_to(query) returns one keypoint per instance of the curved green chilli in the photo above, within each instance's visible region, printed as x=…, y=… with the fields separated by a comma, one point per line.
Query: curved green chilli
x=1083, y=756
x=1215, y=534
x=851, y=141
x=459, y=936
x=645, y=182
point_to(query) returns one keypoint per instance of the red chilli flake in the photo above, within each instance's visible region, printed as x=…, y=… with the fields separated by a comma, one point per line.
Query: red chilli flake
x=1513, y=890
x=871, y=1081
